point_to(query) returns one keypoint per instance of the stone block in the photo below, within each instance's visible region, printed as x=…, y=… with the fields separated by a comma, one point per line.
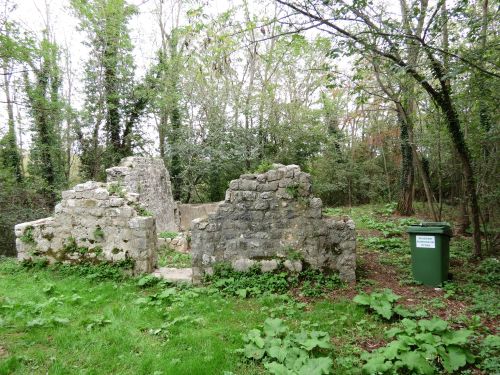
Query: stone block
x=243, y=265
x=234, y=185
x=293, y=265
x=269, y=186
x=247, y=185
x=268, y=265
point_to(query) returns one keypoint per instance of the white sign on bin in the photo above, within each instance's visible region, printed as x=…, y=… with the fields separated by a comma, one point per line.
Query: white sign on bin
x=428, y=242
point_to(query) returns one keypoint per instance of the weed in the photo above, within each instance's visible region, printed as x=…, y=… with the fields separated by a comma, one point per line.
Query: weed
x=168, y=234
x=421, y=347
x=168, y=257
x=383, y=303
x=70, y=246
x=293, y=190
x=388, y=209
x=116, y=189
x=488, y=272
x=385, y=244
x=264, y=167
x=27, y=236
x=141, y=211
x=312, y=283
x=489, y=354
x=98, y=233
x=285, y=352
x=292, y=254
x=329, y=211
x=98, y=272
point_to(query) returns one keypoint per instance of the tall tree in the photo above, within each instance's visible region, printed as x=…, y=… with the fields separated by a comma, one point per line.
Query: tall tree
x=377, y=33
x=46, y=165
x=113, y=102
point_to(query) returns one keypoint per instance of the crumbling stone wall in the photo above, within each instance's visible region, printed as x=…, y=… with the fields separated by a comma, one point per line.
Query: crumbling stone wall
x=149, y=178
x=270, y=218
x=189, y=212
x=93, y=222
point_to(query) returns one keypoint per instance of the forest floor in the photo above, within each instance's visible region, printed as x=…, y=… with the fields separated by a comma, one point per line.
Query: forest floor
x=94, y=320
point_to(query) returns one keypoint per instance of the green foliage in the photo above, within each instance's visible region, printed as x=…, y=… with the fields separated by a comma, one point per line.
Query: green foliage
x=97, y=272
x=168, y=234
x=254, y=282
x=141, y=211
x=285, y=352
x=383, y=303
x=116, y=189
x=489, y=354
x=170, y=258
x=46, y=162
x=293, y=190
x=488, y=272
x=27, y=236
x=384, y=244
x=421, y=347
x=264, y=167
x=98, y=233
x=250, y=283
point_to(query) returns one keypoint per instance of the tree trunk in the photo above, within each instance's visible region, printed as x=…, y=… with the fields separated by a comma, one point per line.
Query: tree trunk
x=405, y=203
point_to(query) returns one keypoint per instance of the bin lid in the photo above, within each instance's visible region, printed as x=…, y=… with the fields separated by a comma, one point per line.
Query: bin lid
x=431, y=228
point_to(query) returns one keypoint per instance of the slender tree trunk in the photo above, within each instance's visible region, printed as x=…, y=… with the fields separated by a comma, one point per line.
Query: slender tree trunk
x=15, y=157
x=405, y=203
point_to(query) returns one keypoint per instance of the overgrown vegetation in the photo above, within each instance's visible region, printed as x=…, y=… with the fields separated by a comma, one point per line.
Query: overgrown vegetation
x=254, y=322
x=254, y=282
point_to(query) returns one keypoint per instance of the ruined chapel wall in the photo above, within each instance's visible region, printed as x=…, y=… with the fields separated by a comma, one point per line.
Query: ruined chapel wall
x=272, y=218
x=91, y=224
x=149, y=178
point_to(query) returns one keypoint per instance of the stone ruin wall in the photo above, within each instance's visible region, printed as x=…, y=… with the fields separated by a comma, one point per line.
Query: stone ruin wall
x=150, y=179
x=272, y=218
x=91, y=224
x=190, y=211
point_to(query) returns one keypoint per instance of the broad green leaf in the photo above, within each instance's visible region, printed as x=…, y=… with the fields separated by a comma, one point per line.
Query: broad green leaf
x=274, y=327
x=426, y=337
x=295, y=358
x=277, y=369
x=167, y=293
x=317, y=366
x=141, y=301
x=492, y=341
x=376, y=364
x=390, y=296
x=392, y=349
x=277, y=352
x=433, y=325
x=62, y=321
x=38, y=322
x=253, y=352
x=453, y=358
x=242, y=293
x=362, y=299
x=416, y=361
x=383, y=308
x=456, y=337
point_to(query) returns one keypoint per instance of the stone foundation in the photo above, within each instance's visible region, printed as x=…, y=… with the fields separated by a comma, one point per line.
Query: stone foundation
x=93, y=222
x=272, y=218
x=150, y=179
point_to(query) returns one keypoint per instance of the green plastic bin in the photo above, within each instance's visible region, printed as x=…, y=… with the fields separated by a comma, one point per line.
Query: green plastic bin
x=430, y=252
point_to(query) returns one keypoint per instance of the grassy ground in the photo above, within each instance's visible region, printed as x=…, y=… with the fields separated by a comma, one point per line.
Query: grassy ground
x=67, y=320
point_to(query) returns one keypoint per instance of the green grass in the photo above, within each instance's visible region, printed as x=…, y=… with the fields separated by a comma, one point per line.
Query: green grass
x=52, y=322
x=168, y=257
x=94, y=320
